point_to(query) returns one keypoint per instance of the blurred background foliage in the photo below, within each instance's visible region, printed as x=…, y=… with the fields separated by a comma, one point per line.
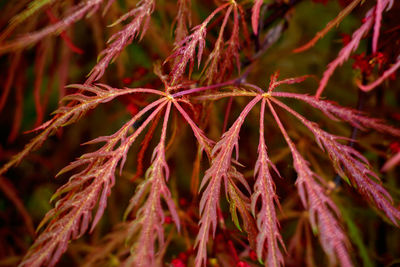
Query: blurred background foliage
x=49, y=65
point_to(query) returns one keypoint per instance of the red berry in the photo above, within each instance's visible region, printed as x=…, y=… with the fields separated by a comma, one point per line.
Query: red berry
x=168, y=220
x=182, y=202
x=132, y=108
x=182, y=256
x=127, y=80
x=177, y=263
x=361, y=62
x=396, y=116
x=380, y=58
x=395, y=147
x=253, y=255
x=346, y=38
x=242, y=264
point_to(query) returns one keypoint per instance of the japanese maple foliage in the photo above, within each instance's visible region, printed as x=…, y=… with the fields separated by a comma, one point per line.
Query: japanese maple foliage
x=236, y=174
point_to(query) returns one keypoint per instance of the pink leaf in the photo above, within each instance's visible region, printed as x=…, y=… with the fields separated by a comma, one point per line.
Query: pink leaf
x=391, y=163
x=71, y=216
x=378, y=17
x=65, y=115
x=350, y=163
x=345, y=52
x=150, y=216
x=78, y=12
x=355, y=41
x=205, y=143
x=384, y=76
x=124, y=37
x=255, y=15
x=221, y=162
x=335, y=112
x=264, y=189
x=185, y=50
x=322, y=210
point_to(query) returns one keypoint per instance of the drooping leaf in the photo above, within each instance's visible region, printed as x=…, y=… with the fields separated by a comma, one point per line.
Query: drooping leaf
x=348, y=162
x=78, y=12
x=264, y=189
x=221, y=161
x=239, y=202
x=323, y=212
x=395, y=160
x=148, y=224
x=32, y=8
x=183, y=20
x=213, y=61
x=255, y=15
x=72, y=214
x=65, y=115
x=333, y=111
x=335, y=22
x=141, y=15
x=383, y=77
x=185, y=50
x=354, y=42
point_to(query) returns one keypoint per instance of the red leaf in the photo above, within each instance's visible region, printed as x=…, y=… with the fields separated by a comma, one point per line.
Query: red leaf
x=255, y=15
x=63, y=34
